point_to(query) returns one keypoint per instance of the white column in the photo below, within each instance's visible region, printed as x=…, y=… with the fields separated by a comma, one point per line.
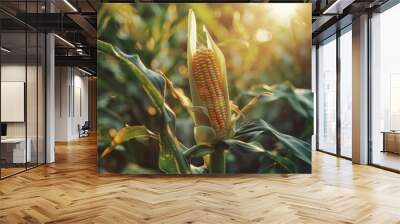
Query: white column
x=360, y=90
x=50, y=94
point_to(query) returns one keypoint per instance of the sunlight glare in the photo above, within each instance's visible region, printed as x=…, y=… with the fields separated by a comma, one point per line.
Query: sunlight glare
x=282, y=12
x=263, y=35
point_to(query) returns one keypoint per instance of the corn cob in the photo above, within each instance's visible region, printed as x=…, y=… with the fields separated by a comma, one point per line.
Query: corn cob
x=209, y=90
x=210, y=86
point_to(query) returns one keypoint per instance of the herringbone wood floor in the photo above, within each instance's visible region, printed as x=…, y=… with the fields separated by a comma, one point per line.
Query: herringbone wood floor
x=70, y=191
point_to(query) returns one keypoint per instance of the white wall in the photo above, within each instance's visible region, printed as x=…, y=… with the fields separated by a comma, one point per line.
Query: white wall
x=71, y=102
x=80, y=110
x=62, y=81
x=16, y=73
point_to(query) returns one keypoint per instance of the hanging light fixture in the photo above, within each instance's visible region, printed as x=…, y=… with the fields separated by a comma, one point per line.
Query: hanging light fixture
x=64, y=40
x=5, y=50
x=70, y=5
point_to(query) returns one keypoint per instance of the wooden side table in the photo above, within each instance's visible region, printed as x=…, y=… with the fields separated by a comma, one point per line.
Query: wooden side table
x=391, y=141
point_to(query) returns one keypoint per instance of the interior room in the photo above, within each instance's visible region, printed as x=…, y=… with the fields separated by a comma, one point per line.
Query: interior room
x=25, y=64
x=91, y=90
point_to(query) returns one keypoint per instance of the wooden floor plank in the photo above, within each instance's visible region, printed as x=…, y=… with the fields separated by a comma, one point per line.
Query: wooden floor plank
x=70, y=191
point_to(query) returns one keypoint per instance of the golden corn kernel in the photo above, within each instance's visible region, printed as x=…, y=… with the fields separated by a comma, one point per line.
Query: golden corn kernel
x=209, y=84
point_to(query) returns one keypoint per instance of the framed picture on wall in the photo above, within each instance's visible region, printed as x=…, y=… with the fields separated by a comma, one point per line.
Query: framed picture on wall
x=12, y=101
x=204, y=88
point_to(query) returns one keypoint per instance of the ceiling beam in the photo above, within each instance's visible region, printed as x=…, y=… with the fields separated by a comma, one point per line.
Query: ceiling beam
x=88, y=29
x=79, y=61
x=337, y=7
x=49, y=22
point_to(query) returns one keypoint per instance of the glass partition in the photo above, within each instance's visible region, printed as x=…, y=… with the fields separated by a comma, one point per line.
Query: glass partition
x=13, y=109
x=22, y=89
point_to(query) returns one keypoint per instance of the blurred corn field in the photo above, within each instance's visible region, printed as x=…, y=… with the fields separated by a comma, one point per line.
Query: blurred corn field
x=150, y=120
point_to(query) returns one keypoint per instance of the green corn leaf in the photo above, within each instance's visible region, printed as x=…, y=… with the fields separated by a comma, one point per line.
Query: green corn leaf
x=306, y=98
x=171, y=159
x=238, y=145
x=300, y=100
x=283, y=161
x=198, y=151
x=243, y=148
x=252, y=129
x=158, y=80
x=250, y=105
x=129, y=133
x=137, y=70
x=168, y=162
x=287, y=91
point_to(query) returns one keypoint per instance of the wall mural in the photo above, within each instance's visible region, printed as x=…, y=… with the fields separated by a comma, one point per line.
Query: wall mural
x=204, y=88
